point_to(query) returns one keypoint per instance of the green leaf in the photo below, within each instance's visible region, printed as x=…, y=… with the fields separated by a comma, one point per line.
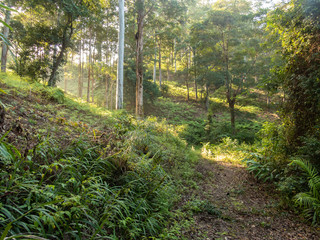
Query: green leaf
x=7, y=8
x=1, y=90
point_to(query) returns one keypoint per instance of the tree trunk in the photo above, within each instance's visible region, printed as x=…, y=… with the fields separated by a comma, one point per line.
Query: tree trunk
x=4, y=54
x=172, y=55
x=119, y=91
x=111, y=94
x=175, y=57
x=230, y=94
x=168, y=74
x=92, y=77
x=155, y=60
x=89, y=72
x=107, y=84
x=160, y=72
x=187, y=77
x=195, y=73
x=80, y=72
x=65, y=42
x=207, y=97
x=232, y=116
x=139, y=60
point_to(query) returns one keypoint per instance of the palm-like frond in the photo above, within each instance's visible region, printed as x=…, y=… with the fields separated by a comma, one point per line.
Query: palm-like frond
x=309, y=200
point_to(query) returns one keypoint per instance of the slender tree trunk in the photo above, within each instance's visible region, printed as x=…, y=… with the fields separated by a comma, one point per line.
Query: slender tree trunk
x=172, y=56
x=155, y=66
x=268, y=99
x=119, y=92
x=207, y=97
x=89, y=72
x=231, y=96
x=155, y=60
x=80, y=71
x=175, y=57
x=160, y=72
x=4, y=54
x=107, y=88
x=187, y=78
x=168, y=74
x=111, y=94
x=195, y=73
x=232, y=116
x=139, y=60
x=92, y=77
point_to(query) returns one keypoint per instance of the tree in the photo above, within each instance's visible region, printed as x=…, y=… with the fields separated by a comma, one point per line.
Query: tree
x=228, y=27
x=119, y=94
x=44, y=32
x=139, y=57
x=5, y=35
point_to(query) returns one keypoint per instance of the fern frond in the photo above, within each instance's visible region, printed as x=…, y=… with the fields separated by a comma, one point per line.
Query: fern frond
x=313, y=176
x=306, y=166
x=306, y=200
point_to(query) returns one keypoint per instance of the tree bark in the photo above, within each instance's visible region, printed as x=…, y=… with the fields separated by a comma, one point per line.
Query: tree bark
x=92, y=77
x=89, y=72
x=4, y=54
x=207, y=97
x=175, y=57
x=107, y=84
x=187, y=77
x=232, y=116
x=195, y=73
x=230, y=94
x=168, y=72
x=139, y=61
x=119, y=91
x=160, y=72
x=155, y=60
x=80, y=72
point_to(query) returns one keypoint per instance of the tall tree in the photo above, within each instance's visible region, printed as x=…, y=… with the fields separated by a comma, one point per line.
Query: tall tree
x=119, y=92
x=141, y=14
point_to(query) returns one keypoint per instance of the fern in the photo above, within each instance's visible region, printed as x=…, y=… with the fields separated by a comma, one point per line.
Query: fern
x=309, y=200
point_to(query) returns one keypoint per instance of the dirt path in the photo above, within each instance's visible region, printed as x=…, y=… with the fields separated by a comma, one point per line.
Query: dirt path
x=249, y=210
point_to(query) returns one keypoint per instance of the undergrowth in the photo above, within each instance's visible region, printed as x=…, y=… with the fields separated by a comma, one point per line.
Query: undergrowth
x=118, y=180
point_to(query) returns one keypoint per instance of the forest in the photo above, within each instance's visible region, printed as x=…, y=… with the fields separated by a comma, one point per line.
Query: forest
x=168, y=119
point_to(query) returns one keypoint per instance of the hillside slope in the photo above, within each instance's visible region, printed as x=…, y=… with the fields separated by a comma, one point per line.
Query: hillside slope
x=73, y=171
x=70, y=170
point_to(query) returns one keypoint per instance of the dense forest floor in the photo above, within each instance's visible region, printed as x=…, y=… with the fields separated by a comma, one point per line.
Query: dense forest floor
x=218, y=198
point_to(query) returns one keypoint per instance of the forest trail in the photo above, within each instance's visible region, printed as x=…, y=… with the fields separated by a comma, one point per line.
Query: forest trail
x=248, y=208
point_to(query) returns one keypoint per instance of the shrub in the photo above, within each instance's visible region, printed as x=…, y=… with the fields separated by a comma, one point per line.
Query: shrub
x=164, y=90
x=194, y=133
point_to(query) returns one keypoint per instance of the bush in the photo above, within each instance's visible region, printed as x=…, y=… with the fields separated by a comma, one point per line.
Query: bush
x=194, y=133
x=164, y=90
